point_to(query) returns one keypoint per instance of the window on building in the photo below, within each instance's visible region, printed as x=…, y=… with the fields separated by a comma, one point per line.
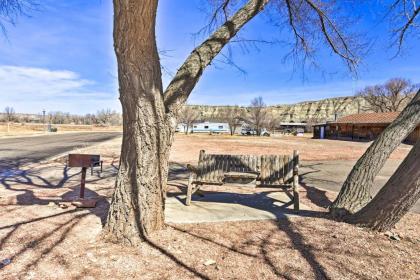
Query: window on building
x=220, y=126
x=206, y=126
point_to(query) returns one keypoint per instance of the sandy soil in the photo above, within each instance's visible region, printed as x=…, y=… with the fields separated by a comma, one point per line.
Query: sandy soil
x=187, y=147
x=45, y=241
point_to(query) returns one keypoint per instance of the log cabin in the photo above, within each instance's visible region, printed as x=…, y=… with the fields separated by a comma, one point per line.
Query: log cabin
x=366, y=126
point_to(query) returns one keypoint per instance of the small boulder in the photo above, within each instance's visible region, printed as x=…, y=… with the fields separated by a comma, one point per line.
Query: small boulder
x=209, y=262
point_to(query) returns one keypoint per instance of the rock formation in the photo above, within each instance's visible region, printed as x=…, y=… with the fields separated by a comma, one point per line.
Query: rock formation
x=307, y=111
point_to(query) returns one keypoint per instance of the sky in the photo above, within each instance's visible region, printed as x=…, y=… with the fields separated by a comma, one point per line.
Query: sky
x=61, y=58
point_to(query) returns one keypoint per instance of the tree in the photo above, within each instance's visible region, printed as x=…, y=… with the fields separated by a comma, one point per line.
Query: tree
x=10, y=114
x=392, y=96
x=258, y=114
x=150, y=113
x=396, y=198
x=272, y=121
x=188, y=116
x=232, y=115
x=108, y=117
x=337, y=105
x=355, y=192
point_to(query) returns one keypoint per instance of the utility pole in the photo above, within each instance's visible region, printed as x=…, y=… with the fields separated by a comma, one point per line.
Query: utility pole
x=43, y=120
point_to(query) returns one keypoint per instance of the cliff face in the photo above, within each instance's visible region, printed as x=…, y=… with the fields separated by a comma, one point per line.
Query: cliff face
x=315, y=111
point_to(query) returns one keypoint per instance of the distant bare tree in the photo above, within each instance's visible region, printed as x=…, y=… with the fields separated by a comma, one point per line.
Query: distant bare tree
x=231, y=115
x=10, y=114
x=311, y=122
x=104, y=116
x=392, y=96
x=272, y=121
x=338, y=105
x=188, y=115
x=257, y=114
x=58, y=117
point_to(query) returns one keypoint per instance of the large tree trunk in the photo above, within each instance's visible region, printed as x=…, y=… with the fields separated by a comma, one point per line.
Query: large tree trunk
x=396, y=198
x=355, y=192
x=137, y=206
x=149, y=115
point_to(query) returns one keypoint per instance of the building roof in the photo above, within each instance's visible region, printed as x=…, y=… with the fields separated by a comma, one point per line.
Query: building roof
x=382, y=118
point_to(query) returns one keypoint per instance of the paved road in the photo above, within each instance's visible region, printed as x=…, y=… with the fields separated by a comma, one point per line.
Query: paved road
x=330, y=175
x=37, y=148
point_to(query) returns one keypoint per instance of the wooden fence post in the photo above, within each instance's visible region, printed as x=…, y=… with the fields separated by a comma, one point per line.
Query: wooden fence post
x=295, y=180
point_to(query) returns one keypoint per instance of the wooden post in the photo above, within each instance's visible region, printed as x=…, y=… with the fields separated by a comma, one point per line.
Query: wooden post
x=295, y=180
x=189, y=189
x=201, y=155
x=82, y=183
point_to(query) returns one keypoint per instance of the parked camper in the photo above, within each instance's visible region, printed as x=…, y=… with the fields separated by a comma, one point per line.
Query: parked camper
x=210, y=127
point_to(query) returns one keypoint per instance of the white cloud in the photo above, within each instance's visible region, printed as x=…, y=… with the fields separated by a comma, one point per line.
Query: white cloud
x=26, y=87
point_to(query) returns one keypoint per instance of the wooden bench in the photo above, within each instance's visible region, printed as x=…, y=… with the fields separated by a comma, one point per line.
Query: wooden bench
x=268, y=170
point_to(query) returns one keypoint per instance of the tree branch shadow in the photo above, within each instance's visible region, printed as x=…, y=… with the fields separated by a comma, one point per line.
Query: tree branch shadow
x=17, y=173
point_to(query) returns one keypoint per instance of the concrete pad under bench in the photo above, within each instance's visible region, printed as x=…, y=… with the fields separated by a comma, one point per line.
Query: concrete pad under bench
x=224, y=207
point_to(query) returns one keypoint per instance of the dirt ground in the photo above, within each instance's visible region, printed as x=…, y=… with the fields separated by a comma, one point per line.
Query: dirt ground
x=187, y=147
x=45, y=241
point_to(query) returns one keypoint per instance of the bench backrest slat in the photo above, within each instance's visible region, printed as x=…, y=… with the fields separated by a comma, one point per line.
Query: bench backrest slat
x=273, y=169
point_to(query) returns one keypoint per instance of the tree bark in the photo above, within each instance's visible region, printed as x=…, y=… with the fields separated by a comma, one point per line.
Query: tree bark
x=137, y=206
x=149, y=115
x=396, y=198
x=355, y=192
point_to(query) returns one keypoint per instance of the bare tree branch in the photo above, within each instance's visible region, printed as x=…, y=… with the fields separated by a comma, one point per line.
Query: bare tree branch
x=190, y=72
x=10, y=10
x=406, y=11
x=392, y=96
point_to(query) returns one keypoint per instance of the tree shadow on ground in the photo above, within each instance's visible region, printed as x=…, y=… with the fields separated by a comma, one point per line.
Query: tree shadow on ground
x=26, y=181
x=71, y=218
x=266, y=245
x=263, y=201
x=316, y=196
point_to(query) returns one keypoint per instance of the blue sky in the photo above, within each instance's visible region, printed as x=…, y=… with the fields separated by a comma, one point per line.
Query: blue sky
x=61, y=58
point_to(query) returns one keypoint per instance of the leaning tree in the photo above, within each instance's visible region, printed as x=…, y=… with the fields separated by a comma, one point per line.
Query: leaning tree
x=396, y=198
x=150, y=113
x=356, y=190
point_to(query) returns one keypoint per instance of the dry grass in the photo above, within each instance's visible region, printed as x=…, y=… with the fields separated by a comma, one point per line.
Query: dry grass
x=17, y=129
x=44, y=241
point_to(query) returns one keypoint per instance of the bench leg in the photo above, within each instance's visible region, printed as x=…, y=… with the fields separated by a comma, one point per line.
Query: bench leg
x=295, y=181
x=296, y=201
x=189, y=190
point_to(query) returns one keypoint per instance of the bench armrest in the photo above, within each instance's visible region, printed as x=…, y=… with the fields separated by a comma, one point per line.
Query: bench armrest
x=192, y=168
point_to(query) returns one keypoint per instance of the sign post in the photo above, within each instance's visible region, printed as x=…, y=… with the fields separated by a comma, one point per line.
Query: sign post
x=84, y=161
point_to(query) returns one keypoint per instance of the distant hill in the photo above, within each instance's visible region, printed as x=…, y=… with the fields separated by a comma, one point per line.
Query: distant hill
x=320, y=110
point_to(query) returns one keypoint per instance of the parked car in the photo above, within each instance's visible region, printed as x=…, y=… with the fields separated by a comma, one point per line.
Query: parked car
x=252, y=131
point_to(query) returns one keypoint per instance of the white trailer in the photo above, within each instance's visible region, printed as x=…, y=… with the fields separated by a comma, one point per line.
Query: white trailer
x=210, y=127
